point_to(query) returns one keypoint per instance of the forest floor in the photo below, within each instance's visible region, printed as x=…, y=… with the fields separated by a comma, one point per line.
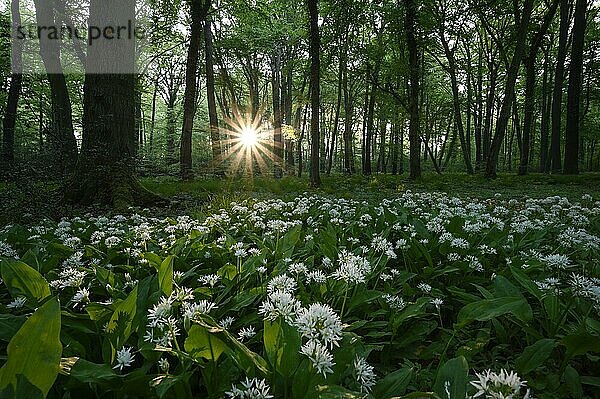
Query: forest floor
x=30, y=200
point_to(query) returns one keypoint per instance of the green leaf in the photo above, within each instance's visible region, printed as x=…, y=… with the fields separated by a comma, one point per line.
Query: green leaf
x=201, y=343
x=92, y=373
x=9, y=325
x=35, y=350
x=165, y=275
x=487, y=309
x=456, y=373
x=21, y=278
x=121, y=321
x=338, y=392
x=393, y=384
x=534, y=356
x=579, y=344
x=282, y=344
x=573, y=382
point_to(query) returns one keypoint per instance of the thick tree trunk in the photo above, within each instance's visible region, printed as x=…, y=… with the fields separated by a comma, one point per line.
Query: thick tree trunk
x=315, y=77
x=413, y=89
x=574, y=91
x=557, y=95
x=210, y=96
x=105, y=170
x=61, y=137
x=509, y=91
x=14, y=93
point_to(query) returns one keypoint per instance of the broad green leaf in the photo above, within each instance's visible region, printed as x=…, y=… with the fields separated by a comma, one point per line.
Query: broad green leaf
x=579, y=344
x=9, y=325
x=526, y=282
x=201, y=343
x=282, y=345
x=165, y=275
x=244, y=357
x=21, y=278
x=88, y=372
x=455, y=373
x=338, y=392
x=121, y=321
x=393, y=384
x=534, y=356
x=35, y=350
x=487, y=309
x=573, y=382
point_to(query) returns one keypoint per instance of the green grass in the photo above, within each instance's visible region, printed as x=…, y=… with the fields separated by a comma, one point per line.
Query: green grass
x=380, y=186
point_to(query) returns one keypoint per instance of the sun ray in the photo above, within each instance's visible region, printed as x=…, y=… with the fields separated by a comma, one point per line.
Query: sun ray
x=248, y=146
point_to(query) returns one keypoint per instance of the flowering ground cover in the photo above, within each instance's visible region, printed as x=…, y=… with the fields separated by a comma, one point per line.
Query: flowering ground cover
x=420, y=295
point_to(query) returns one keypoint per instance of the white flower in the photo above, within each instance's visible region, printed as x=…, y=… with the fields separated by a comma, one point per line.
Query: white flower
x=437, y=302
x=280, y=304
x=251, y=389
x=364, y=373
x=320, y=357
x=17, y=303
x=160, y=311
x=210, y=279
x=227, y=322
x=320, y=322
x=283, y=283
x=164, y=365
x=394, y=301
x=246, y=333
x=191, y=311
x=353, y=269
x=426, y=288
x=504, y=385
x=81, y=296
x=124, y=358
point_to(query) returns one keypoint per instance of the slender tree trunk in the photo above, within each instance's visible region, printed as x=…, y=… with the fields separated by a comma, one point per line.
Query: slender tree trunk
x=456, y=102
x=509, y=91
x=198, y=11
x=557, y=96
x=14, y=92
x=530, y=84
x=479, y=123
x=413, y=89
x=210, y=97
x=277, y=138
x=61, y=137
x=315, y=77
x=574, y=91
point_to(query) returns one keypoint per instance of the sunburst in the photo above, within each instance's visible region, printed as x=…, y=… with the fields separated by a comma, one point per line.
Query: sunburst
x=249, y=143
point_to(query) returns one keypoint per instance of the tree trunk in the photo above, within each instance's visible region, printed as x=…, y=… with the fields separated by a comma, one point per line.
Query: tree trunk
x=61, y=137
x=574, y=91
x=558, y=87
x=413, y=89
x=315, y=86
x=210, y=96
x=277, y=139
x=509, y=91
x=198, y=11
x=105, y=170
x=530, y=78
x=14, y=93
x=456, y=102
